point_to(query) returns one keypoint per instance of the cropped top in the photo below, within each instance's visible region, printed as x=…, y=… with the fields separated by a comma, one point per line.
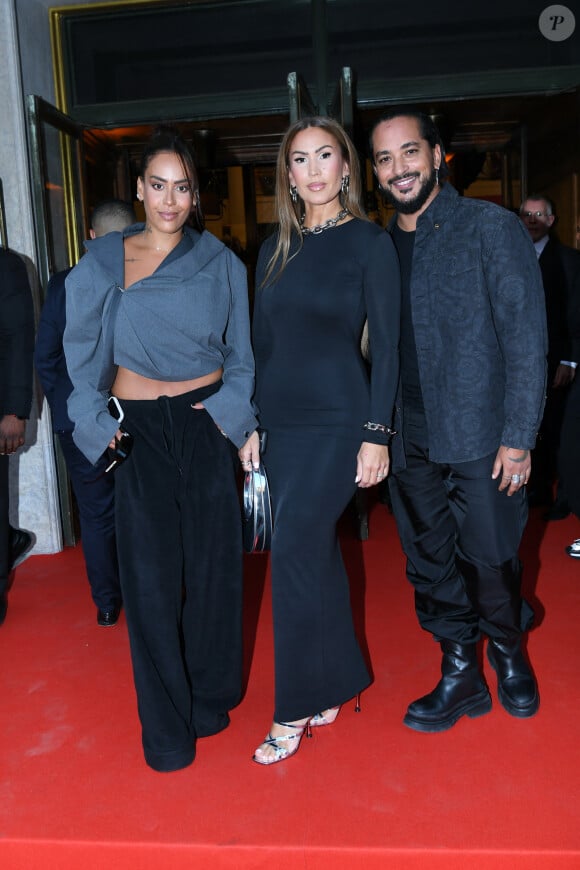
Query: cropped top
x=187, y=319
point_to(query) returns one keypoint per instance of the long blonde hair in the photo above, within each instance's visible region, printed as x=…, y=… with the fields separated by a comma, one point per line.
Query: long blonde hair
x=289, y=212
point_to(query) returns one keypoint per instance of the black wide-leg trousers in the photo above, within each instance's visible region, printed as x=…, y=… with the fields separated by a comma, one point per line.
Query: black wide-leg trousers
x=318, y=662
x=461, y=538
x=180, y=556
x=5, y=555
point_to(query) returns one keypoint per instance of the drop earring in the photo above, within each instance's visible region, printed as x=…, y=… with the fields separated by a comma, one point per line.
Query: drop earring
x=345, y=184
x=294, y=193
x=437, y=177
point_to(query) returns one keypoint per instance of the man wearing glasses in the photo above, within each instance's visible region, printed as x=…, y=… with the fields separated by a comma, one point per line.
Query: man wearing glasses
x=560, y=268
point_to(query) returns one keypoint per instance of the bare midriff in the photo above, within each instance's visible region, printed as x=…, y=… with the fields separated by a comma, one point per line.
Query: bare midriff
x=129, y=385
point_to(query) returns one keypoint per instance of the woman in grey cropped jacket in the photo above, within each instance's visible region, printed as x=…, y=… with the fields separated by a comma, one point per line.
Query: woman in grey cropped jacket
x=157, y=319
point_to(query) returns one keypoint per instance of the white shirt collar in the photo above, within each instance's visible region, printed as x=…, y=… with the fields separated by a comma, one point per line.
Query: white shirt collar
x=540, y=245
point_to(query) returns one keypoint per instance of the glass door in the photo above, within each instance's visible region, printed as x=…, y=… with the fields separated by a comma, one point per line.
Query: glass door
x=56, y=162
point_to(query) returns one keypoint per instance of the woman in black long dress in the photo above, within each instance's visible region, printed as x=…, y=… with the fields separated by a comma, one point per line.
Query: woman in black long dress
x=320, y=276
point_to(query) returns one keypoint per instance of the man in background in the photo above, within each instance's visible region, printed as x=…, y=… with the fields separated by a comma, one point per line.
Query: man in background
x=93, y=489
x=560, y=268
x=569, y=464
x=16, y=350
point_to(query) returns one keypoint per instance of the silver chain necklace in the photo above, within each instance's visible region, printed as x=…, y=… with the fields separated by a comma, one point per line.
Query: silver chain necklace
x=319, y=228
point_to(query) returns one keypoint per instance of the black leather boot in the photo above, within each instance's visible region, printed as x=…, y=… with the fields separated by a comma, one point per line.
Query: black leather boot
x=460, y=691
x=516, y=685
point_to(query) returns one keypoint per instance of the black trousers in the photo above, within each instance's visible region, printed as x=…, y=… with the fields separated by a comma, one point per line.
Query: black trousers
x=178, y=526
x=461, y=538
x=95, y=496
x=545, y=455
x=570, y=447
x=5, y=556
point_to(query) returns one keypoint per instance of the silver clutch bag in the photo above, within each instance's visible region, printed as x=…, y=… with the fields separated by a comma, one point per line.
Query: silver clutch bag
x=256, y=511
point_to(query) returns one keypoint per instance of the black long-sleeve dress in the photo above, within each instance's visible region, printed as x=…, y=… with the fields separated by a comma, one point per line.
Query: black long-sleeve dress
x=314, y=395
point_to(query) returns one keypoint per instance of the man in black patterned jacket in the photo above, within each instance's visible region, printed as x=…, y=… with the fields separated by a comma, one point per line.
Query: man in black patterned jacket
x=473, y=370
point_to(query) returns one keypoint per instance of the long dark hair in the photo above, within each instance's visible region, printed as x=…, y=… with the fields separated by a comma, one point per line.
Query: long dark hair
x=167, y=139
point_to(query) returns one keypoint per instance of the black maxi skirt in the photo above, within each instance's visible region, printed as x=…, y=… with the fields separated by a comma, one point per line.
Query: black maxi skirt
x=318, y=662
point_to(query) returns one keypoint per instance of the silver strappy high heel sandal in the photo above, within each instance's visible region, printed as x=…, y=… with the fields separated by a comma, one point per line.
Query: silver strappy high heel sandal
x=281, y=745
x=327, y=717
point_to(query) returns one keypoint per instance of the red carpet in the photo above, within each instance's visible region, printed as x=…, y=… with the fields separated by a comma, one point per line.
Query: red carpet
x=493, y=792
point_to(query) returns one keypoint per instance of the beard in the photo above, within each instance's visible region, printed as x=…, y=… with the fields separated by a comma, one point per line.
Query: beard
x=411, y=206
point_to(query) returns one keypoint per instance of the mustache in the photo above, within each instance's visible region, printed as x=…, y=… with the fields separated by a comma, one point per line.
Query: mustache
x=403, y=177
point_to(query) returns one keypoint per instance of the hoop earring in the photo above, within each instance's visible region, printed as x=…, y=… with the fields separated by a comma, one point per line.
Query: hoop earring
x=345, y=184
x=294, y=193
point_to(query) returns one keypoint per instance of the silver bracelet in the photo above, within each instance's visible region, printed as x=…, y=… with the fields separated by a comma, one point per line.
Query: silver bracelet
x=379, y=427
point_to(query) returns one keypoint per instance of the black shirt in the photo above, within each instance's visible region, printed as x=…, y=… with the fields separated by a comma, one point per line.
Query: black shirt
x=410, y=381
